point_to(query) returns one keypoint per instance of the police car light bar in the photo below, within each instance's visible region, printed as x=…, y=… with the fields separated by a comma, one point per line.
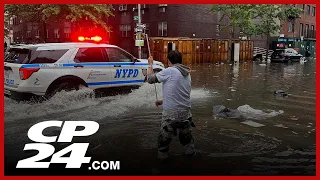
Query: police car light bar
x=94, y=38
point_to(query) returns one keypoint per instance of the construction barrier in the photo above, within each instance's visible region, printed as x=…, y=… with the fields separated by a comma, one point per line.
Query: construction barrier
x=198, y=51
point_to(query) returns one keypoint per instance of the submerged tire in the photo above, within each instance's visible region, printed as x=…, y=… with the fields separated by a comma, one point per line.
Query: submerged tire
x=66, y=85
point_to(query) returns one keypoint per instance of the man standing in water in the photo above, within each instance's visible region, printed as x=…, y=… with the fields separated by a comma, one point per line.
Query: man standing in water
x=176, y=103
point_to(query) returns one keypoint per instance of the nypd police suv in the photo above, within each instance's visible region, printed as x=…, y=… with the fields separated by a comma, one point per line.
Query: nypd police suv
x=44, y=69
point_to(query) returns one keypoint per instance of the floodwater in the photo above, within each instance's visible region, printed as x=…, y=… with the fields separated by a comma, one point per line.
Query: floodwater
x=282, y=143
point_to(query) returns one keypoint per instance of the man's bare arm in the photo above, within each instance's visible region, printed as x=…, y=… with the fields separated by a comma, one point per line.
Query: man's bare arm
x=151, y=77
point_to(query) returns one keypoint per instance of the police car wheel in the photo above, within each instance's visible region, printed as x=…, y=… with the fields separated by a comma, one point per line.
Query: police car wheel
x=64, y=86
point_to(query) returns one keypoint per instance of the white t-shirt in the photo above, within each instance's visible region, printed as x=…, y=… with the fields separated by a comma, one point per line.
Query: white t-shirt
x=176, y=89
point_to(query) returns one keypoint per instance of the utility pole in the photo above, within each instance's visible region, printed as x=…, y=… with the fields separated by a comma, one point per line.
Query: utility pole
x=139, y=33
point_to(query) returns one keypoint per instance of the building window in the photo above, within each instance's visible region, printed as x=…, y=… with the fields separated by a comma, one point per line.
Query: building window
x=303, y=8
x=218, y=28
x=67, y=31
x=162, y=29
x=123, y=7
x=144, y=6
x=37, y=33
x=28, y=34
x=124, y=13
x=162, y=9
x=301, y=30
x=125, y=30
x=308, y=10
x=290, y=27
x=142, y=11
x=56, y=33
x=313, y=11
x=306, y=33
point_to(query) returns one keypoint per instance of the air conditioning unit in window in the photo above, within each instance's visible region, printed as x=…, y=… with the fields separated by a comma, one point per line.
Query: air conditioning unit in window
x=163, y=5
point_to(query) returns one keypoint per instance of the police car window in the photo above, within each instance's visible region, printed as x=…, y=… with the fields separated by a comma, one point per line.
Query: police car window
x=116, y=55
x=89, y=55
x=48, y=56
x=19, y=56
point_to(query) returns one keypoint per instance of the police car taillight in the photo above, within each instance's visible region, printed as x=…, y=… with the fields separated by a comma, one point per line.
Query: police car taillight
x=25, y=73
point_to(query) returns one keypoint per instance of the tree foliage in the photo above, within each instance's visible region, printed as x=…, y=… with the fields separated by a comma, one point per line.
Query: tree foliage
x=6, y=25
x=237, y=16
x=75, y=13
x=256, y=19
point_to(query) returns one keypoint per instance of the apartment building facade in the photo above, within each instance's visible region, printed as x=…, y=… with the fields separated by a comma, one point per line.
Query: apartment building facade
x=301, y=32
x=164, y=20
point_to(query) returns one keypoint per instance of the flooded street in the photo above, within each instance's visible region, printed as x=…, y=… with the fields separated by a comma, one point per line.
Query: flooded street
x=282, y=144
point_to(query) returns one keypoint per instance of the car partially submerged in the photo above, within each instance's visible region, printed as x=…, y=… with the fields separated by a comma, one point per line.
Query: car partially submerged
x=44, y=69
x=286, y=55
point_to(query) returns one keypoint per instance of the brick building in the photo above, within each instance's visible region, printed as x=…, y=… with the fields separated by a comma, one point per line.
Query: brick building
x=303, y=27
x=162, y=20
x=300, y=33
x=172, y=20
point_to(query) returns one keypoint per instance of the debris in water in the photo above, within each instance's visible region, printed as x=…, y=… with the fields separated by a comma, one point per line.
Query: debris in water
x=280, y=126
x=293, y=118
x=262, y=64
x=222, y=111
x=294, y=132
x=228, y=99
x=252, y=124
x=250, y=113
x=309, y=126
x=280, y=93
x=233, y=90
x=310, y=123
x=243, y=112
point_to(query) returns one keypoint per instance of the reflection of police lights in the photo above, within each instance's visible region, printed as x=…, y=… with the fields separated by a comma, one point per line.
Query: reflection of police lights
x=94, y=38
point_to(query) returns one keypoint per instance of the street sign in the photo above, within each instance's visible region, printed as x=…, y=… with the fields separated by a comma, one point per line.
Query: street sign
x=137, y=30
x=143, y=26
x=136, y=18
x=139, y=42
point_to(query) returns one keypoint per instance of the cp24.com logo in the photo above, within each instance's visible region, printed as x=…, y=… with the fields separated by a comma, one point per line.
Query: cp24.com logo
x=68, y=131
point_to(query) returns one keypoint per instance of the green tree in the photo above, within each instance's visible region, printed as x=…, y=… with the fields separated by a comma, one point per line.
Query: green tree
x=268, y=15
x=75, y=13
x=259, y=19
x=6, y=25
x=235, y=16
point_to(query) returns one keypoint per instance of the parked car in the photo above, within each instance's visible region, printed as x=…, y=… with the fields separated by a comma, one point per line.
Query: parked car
x=285, y=55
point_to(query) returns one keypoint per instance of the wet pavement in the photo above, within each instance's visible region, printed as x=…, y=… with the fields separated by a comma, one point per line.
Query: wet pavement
x=276, y=136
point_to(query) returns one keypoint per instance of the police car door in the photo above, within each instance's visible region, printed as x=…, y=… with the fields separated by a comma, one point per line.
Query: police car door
x=91, y=64
x=124, y=71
